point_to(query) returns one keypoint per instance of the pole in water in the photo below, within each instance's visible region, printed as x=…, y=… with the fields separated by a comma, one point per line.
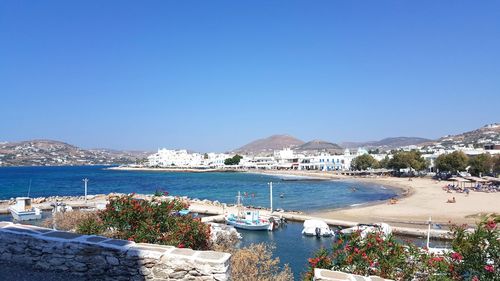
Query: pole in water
x=271, y=195
x=85, y=180
x=429, y=232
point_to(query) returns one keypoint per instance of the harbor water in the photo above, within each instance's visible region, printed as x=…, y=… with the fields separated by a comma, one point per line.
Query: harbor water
x=291, y=247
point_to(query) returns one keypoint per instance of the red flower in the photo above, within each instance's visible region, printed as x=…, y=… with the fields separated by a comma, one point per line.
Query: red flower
x=180, y=245
x=491, y=225
x=475, y=278
x=489, y=268
x=356, y=250
x=457, y=256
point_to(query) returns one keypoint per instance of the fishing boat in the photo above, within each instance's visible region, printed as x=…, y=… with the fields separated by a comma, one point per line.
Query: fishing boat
x=364, y=229
x=317, y=228
x=23, y=211
x=247, y=219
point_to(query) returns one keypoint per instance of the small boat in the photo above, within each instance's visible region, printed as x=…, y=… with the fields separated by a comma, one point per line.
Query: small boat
x=364, y=229
x=59, y=207
x=317, y=228
x=23, y=211
x=248, y=219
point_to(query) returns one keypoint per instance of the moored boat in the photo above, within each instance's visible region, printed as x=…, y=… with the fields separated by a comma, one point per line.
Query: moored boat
x=23, y=211
x=247, y=219
x=317, y=228
x=364, y=229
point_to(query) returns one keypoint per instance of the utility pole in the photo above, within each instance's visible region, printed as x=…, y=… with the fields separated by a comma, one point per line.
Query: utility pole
x=85, y=180
x=271, y=195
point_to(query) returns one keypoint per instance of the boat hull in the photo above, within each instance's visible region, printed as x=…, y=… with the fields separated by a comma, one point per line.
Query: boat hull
x=25, y=216
x=242, y=225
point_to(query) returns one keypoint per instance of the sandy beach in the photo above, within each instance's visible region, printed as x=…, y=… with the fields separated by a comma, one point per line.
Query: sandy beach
x=422, y=198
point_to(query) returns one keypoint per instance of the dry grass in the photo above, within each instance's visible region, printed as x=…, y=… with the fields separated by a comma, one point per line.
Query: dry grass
x=225, y=243
x=69, y=221
x=256, y=263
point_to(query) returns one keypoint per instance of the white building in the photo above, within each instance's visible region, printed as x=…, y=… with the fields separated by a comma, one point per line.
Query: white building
x=175, y=158
x=214, y=160
x=328, y=162
x=287, y=159
x=258, y=162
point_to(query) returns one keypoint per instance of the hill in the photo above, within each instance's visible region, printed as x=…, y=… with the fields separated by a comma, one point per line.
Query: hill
x=269, y=144
x=319, y=145
x=57, y=153
x=387, y=143
x=484, y=135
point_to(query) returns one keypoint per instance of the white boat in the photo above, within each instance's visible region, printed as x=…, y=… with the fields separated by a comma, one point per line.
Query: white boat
x=249, y=220
x=59, y=207
x=317, y=228
x=23, y=211
x=364, y=229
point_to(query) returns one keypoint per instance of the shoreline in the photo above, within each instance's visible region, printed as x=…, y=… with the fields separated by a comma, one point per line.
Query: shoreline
x=172, y=170
x=419, y=199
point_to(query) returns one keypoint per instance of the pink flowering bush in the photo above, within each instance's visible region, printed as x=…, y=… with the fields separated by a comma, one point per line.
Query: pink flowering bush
x=476, y=253
x=475, y=256
x=155, y=221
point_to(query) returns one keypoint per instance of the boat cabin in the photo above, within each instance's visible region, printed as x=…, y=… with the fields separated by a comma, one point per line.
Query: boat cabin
x=23, y=204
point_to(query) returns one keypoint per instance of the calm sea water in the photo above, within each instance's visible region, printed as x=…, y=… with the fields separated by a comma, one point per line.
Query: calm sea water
x=291, y=246
x=47, y=181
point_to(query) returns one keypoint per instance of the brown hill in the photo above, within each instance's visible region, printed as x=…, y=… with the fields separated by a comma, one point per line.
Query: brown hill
x=319, y=145
x=486, y=134
x=269, y=144
x=57, y=153
x=387, y=143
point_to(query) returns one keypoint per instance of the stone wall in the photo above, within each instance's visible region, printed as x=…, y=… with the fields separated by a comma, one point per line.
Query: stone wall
x=102, y=258
x=329, y=275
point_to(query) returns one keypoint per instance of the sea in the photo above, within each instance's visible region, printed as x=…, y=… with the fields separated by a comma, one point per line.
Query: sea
x=301, y=195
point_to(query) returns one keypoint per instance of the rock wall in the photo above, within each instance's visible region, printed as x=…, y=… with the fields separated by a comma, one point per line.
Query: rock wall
x=102, y=258
x=329, y=275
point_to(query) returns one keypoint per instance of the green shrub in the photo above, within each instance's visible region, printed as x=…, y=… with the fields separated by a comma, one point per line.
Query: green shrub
x=90, y=224
x=155, y=221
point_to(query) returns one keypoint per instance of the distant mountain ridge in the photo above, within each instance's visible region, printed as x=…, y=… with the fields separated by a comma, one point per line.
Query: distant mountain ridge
x=387, y=143
x=43, y=152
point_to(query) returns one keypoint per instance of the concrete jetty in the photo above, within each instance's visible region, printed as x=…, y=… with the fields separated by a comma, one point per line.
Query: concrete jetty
x=217, y=215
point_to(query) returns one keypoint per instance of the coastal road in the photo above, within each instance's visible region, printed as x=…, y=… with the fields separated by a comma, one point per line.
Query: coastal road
x=16, y=272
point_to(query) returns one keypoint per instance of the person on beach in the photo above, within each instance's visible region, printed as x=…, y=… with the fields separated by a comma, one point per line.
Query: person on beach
x=452, y=200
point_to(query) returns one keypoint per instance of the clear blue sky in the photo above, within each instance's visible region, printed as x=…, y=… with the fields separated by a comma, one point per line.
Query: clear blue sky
x=213, y=75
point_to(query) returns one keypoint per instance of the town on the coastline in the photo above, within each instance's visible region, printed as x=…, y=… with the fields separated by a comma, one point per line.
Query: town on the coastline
x=291, y=158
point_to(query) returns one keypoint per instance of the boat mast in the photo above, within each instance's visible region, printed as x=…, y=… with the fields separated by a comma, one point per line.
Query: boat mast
x=239, y=205
x=29, y=189
x=271, y=195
